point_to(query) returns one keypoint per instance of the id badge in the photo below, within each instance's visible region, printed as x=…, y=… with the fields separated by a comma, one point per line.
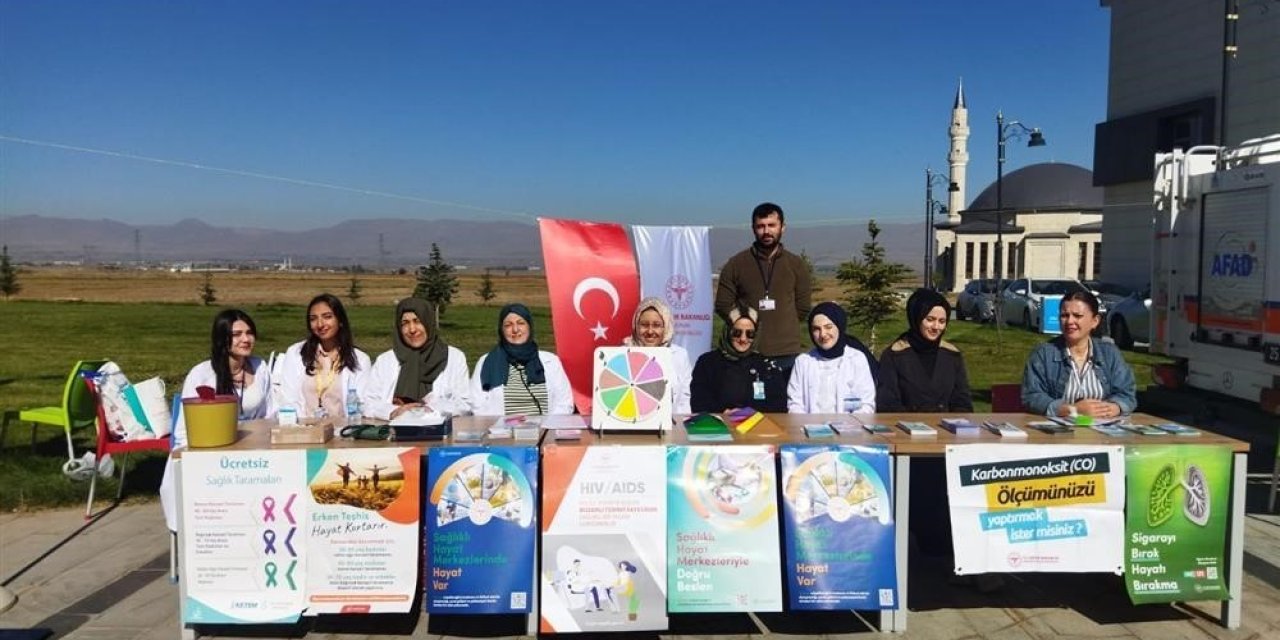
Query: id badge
x=757, y=390
x=851, y=404
x=768, y=304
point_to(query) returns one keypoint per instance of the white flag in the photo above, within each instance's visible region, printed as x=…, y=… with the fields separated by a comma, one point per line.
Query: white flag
x=675, y=265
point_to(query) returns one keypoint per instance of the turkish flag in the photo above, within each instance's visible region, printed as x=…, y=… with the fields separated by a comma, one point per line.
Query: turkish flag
x=594, y=288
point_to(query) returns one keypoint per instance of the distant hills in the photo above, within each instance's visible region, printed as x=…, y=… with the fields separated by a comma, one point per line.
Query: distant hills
x=404, y=242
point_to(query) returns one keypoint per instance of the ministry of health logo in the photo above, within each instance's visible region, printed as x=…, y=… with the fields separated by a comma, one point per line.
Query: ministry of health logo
x=679, y=292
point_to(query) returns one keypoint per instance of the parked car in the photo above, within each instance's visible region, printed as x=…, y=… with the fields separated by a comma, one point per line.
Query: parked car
x=1022, y=298
x=977, y=301
x=1109, y=293
x=1129, y=320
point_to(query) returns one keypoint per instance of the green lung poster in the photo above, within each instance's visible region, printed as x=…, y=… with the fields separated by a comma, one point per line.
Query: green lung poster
x=1175, y=529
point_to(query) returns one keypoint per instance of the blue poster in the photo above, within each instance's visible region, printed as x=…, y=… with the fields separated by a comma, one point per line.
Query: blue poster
x=837, y=506
x=481, y=523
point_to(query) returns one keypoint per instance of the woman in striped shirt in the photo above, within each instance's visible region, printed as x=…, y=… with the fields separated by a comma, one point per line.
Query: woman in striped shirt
x=1075, y=373
x=515, y=378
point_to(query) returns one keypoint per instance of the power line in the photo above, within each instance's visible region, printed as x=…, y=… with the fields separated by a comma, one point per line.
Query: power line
x=261, y=176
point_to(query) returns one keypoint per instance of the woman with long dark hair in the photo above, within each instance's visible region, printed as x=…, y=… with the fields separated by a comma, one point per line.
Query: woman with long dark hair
x=318, y=374
x=231, y=369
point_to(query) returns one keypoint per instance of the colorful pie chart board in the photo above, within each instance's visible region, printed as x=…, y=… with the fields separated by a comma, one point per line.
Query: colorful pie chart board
x=631, y=389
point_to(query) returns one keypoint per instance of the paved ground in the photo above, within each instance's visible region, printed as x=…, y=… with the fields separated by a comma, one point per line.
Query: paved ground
x=110, y=582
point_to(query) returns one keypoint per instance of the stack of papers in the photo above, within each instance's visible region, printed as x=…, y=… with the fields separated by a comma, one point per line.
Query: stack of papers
x=1145, y=429
x=846, y=428
x=1179, y=430
x=820, y=430
x=1055, y=427
x=879, y=429
x=520, y=427
x=960, y=426
x=1005, y=429
x=744, y=419
x=917, y=429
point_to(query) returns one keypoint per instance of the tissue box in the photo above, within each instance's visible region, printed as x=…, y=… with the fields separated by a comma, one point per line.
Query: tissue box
x=317, y=433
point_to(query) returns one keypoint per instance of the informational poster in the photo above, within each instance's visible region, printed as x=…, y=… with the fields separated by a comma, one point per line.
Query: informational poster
x=604, y=559
x=722, y=538
x=244, y=536
x=363, y=529
x=837, y=503
x=1026, y=507
x=1176, y=528
x=631, y=389
x=481, y=529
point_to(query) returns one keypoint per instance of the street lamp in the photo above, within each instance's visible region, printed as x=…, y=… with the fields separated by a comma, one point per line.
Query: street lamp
x=932, y=206
x=1006, y=131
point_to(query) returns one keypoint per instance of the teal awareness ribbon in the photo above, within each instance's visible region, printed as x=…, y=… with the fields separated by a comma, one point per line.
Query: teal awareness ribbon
x=270, y=568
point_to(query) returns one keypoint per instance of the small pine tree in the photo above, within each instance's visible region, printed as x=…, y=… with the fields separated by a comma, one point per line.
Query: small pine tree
x=354, y=289
x=486, y=290
x=208, y=294
x=436, y=282
x=8, y=275
x=869, y=282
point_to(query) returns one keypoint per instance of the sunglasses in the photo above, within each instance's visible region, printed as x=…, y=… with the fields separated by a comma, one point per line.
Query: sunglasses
x=738, y=333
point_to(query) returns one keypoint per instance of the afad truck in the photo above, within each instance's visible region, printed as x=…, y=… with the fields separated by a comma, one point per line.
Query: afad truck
x=1215, y=281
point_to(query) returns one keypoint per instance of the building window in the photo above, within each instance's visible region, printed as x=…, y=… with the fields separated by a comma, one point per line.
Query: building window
x=1082, y=262
x=968, y=261
x=1011, y=264
x=982, y=259
x=1097, y=260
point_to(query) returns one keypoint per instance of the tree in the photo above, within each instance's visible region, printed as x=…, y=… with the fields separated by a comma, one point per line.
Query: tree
x=8, y=275
x=436, y=282
x=353, y=291
x=208, y=294
x=869, y=283
x=486, y=291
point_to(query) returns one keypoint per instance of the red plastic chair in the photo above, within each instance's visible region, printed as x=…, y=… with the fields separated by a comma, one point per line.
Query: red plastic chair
x=1007, y=398
x=108, y=446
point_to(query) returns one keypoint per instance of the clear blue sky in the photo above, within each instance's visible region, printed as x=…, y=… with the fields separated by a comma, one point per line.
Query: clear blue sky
x=640, y=112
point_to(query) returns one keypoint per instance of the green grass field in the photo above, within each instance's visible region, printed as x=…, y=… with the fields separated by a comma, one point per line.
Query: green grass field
x=43, y=339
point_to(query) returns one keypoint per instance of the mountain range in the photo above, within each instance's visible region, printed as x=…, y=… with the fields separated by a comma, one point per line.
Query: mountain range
x=384, y=243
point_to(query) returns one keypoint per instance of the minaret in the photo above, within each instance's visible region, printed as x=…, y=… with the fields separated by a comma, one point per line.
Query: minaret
x=959, y=155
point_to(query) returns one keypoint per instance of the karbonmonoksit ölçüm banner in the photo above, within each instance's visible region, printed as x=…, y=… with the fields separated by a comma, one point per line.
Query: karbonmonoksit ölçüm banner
x=1024, y=507
x=722, y=537
x=1176, y=530
x=837, y=503
x=480, y=530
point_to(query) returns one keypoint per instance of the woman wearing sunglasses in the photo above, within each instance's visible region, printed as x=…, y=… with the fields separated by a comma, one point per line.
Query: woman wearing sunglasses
x=834, y=376
x=735, y=374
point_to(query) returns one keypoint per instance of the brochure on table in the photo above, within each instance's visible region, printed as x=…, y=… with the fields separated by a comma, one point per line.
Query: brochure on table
x=604, y=559
x=631, y=389
x=837, y=503
x=481, y=528
x=1018, y=507
x=1176, y=524
x=723, y=529
x=271, y=535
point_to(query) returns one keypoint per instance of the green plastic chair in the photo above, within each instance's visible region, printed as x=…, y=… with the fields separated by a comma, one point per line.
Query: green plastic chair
x=78, y=408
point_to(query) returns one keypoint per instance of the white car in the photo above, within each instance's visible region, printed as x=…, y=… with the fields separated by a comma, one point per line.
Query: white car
x=1023, y=297
x=1129, y=320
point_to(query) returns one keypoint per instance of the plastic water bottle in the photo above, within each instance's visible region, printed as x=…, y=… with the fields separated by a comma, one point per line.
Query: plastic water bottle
x=353, y=407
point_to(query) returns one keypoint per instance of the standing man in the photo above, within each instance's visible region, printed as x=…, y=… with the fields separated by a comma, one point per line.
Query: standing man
x=773, y=281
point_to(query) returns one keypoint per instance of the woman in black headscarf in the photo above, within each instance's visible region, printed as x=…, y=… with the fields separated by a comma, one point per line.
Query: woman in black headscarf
x=735, y=374
x=515, y=377
x=920, y=372
x=419, y=371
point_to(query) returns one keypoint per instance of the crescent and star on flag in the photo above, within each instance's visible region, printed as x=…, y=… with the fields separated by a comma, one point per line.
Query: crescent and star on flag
x=596, y=284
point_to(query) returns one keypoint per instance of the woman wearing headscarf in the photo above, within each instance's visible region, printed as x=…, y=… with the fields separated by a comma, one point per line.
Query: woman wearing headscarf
x=420, y=370
x=833, y=377
x=515, y=377
x=319, y=374
x=735, y=374
x=920, y=372
x=653, y=326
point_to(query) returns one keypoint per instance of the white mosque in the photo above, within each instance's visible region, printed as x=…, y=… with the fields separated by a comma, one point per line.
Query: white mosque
x=1052, y=220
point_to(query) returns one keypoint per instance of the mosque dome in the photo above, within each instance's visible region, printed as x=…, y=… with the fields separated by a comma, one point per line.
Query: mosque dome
x=1048, y=186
